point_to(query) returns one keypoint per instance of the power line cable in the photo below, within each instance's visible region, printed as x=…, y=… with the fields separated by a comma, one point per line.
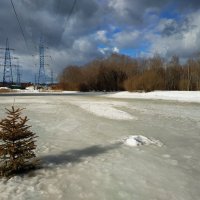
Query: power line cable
x=19, y=23
x=71, y=11
x=68, y=17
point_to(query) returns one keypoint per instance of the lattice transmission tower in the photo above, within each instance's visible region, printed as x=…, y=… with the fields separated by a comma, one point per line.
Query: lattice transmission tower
x=18, y=75
x=11, y=73
x=7, y=66
x=42, y=76
x=52, y=77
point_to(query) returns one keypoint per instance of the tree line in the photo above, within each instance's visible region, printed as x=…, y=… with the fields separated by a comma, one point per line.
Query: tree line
x=120, y=72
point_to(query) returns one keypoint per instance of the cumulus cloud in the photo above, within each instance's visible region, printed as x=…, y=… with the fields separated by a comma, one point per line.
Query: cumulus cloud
x=113, y=24
x=180, y=39
x=127, y=39
x=106, y=51
x=101, y=36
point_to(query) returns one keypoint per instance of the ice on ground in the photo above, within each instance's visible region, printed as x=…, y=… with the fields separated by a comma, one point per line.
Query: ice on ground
x=81, y=162
x=107, y=109
x=185, y=96
x=138, y=140
x=70, y=92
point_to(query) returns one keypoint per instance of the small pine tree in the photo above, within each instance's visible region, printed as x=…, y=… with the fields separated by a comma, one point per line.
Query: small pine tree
x=17, y=144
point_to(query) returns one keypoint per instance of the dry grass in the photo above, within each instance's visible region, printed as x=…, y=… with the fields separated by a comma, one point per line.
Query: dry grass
x=5, y=90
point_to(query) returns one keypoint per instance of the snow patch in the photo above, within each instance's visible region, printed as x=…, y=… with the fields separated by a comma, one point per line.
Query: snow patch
x=105, y=109
x=69, y=92
x=4, y=88
x=184, y=96
x=139, y=140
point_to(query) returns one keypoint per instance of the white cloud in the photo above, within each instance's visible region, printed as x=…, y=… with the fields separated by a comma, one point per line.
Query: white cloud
x=115, y=24
x=178, y=39
x=115, y=50
x=165, y=23
x=108, y=50
x=127, y=39
x=101, y=36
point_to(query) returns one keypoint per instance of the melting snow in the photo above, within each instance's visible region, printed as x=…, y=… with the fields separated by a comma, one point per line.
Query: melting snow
x=185, y=96
x=138, y=140
x=80, y=160
x=110, y=110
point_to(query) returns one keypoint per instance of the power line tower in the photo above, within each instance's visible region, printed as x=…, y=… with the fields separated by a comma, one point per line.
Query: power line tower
x=18, y=75
x=7, y=70
x=51, y=72
x=52, y=82
x=42, y=76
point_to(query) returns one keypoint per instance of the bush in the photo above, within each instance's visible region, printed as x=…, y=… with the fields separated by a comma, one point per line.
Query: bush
x=134, y=84
x=183, y=84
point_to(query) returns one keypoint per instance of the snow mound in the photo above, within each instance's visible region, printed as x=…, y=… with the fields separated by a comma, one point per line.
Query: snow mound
x=138, y=140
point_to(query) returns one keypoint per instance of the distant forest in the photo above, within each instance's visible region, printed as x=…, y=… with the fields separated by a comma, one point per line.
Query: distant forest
x=120, y=72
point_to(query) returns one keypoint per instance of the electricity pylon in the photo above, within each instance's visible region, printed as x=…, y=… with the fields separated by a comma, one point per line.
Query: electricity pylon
x=7, y=70
x=42, y=80
x=18, y=77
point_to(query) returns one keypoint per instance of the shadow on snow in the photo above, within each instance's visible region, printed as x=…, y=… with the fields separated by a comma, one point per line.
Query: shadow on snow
x=77, y=155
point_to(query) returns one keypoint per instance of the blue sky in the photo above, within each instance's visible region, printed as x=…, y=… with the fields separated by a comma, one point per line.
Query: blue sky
x=95, y=29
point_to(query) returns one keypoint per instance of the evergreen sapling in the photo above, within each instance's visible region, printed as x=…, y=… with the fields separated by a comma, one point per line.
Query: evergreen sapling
x=17, y=144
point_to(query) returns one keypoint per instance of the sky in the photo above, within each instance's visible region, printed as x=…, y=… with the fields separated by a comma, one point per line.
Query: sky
x=97, y=28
